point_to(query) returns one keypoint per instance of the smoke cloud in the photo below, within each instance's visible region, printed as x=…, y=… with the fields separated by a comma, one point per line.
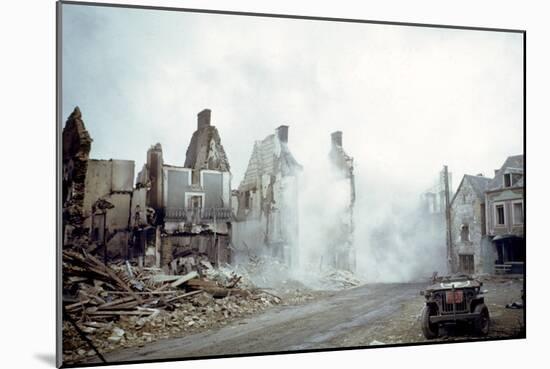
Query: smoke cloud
x=408, y=100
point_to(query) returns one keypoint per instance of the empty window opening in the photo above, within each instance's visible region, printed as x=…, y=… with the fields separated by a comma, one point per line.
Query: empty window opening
x=247, y=200
x=195, y=202
x=465, y=233
x=500, y=214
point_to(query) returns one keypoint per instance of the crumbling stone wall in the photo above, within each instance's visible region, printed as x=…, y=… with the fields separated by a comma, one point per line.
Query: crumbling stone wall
x=341, y=252
x=205, y=150
x=268, y=200
x=76, y=148
x=109, y=181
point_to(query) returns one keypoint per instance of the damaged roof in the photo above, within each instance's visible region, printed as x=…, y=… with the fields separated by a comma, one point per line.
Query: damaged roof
x=264, y=160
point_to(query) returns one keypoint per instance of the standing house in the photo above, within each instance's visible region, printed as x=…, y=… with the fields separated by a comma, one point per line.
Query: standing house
x=266, y=202
x=504, y=211
x=471, y=250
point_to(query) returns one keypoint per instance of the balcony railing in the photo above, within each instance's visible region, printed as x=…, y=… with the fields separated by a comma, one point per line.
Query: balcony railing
x=197, y=215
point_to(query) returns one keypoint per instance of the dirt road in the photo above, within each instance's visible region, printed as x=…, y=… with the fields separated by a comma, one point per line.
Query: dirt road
x=370, y=314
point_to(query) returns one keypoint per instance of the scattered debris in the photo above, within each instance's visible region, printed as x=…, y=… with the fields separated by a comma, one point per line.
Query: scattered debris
x=121, y=305
x=515, y=305
x=339, y=279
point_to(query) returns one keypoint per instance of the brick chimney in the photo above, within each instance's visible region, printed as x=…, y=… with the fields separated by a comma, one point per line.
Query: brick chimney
x=282, y=133
x=203, y=119
x=336, y=138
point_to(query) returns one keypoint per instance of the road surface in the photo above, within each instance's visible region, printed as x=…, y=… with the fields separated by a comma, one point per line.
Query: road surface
x=319, y=324
x=362, y=316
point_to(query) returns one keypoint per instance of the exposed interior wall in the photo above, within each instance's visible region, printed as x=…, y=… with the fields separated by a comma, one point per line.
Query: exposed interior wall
x=109, y=181
x=248, y=240
x=267, y=201
x=340, y=252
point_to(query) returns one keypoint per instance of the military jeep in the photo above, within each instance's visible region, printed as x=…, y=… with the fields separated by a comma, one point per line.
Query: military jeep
x=451, y=300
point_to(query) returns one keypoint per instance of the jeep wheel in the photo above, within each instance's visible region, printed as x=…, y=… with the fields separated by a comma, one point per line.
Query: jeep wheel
x=430, y=330
x=481, y=324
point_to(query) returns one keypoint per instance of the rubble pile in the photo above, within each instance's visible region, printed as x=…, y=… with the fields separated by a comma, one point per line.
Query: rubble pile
x=294, y=287
x=119, y=305
x=340, y=279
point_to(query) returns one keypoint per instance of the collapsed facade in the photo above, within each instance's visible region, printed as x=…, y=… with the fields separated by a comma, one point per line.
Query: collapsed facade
x=77, y=144
x=173, y=215
x=191, y=203
x=340, y=252
x=433, y=200
x=266, y=201
x=487, y=222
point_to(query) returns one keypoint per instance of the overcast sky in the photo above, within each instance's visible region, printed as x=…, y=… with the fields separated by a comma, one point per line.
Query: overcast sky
x=408, y=99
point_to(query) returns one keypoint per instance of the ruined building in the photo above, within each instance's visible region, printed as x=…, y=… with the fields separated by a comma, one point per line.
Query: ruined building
x=266, y=202
x=77, y=144
x=340, y=253
x=172, y=213
x=432, y=222
x=433, y=200
x=97, y=194
x=191, y=203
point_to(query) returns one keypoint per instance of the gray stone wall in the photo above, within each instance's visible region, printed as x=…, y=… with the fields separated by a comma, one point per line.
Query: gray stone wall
x=466, y=212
